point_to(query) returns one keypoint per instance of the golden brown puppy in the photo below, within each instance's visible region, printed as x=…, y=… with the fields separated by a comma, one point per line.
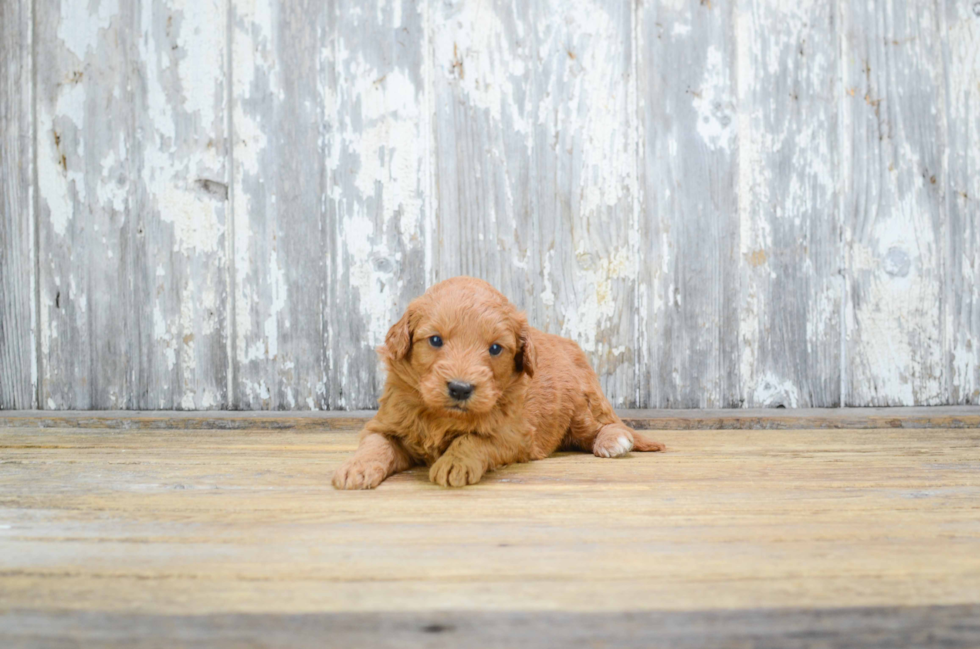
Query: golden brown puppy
x=471, y=387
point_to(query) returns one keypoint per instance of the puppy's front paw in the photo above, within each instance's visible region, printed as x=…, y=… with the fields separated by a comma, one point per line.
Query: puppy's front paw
x=359, y=474
x=454, y=471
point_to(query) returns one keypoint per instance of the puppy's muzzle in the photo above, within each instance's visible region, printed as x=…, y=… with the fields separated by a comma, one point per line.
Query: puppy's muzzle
x=460, y=391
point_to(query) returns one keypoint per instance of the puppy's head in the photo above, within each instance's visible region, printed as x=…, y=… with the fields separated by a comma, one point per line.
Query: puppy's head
x=462, y=346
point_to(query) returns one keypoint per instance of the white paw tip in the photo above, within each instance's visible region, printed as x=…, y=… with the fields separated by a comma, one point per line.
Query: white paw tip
x=625, y=444
x=621, y=446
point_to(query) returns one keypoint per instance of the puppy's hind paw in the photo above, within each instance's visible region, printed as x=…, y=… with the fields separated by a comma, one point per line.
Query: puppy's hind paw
x=612, y=445
x=613, y=440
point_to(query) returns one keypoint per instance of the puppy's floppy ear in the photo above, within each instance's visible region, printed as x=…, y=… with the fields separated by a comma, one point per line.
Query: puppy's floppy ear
x=526, y=358
x=398, y=342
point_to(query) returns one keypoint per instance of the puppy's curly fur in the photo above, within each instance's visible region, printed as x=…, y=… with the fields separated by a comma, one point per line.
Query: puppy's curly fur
x=532, y=393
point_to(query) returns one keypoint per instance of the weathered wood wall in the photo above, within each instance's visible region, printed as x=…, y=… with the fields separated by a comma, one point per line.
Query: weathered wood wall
x=225, y=203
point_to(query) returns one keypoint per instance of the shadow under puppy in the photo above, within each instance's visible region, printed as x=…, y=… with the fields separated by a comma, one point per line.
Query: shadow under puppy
x=471, y=387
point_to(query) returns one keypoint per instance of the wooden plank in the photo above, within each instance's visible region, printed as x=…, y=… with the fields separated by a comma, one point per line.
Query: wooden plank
x=585, y=177
x=947, y=627
x=790, y=253
x=131, y=199
x=483, y=85
x=18, y=357
x=506, y=138
x=332, y=99
x=894, y=182
x=179, y=523
x=348, y=420
x=535, y=140
x=962, y=297
x=381, y=189
x=282, y=79
x=689, y=231
x=952, y=417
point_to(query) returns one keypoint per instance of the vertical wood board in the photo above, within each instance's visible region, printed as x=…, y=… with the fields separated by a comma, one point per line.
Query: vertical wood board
x=131, y=196
x=894, y=134
x=689, y=228
x=226, y=203
x=789, y=223
x=281, y=247
x=381, y=187
x=535, y=140
x=18, y=357
x=962, y=253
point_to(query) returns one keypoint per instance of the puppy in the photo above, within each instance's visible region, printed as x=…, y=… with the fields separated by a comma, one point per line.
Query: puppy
x=471, y=387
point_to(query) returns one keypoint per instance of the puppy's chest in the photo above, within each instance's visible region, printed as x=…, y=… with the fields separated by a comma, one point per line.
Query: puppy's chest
x=429, y=443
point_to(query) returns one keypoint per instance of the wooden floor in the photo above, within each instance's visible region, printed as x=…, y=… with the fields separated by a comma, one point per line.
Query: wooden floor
x=132, y=536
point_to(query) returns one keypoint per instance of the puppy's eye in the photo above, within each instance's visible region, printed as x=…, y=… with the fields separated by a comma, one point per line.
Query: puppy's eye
x=495, y=349
x=435, y=341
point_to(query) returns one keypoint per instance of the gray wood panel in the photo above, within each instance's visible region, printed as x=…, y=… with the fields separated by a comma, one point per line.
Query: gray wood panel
x=894, y=183
x=789, y=222
x=962, y=259
x=381, y=188
x=954, y=417
x=131, y=197
x=880, y=627
x=585, y=178
x=18, y=358
x=688, y=347
x=484, y=59
x=751, y=204
x=794, y=537
x=535, y=141
x=281, y=82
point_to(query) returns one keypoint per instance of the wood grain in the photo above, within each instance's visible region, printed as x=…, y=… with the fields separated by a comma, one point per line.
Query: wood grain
x=130, y=530
x=381, y=191
x=939, y=627
x=484, y=75
x=131, y=197
x=894, y=213
x=535, y=141
x=282, y=75
x=688, y=346
x=585, y=176
x=962, y=253
x=18, y=357
x=726, y=204
x=951, y=417
x=788, y=166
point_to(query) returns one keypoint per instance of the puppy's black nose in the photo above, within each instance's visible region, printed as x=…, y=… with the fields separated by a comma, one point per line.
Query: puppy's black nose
x=460, y=391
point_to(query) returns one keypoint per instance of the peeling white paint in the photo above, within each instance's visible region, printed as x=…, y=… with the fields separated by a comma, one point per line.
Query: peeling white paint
x=195, y=221
x=374, y=300
x=163, y=336
x=390, y=147
x=598, y=305
x=60, y=145
x=253, y=53
x=201, y=42
x=962, y=305
x=771, y=391
x=550, y=79
x=713, y=104
x=279, y=297
x=381, y=210
x=548, y=294
x=473, y=53
x=82, y=25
